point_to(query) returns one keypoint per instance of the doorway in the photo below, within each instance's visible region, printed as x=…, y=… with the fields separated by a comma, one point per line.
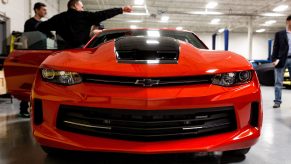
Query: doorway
x=2, y=38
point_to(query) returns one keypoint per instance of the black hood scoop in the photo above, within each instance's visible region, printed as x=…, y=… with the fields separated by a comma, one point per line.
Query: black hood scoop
x=147, y=50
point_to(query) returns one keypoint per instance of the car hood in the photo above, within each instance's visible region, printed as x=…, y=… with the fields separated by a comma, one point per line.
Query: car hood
x=103, y=61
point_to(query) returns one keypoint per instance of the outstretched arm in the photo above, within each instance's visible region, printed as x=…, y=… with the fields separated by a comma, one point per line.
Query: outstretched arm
x=100, y=16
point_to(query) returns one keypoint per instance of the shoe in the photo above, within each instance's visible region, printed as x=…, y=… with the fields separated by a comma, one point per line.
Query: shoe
x=24, y=115
x=276, y=105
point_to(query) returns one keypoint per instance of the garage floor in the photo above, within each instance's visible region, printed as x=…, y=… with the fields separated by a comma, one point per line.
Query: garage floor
x=17, y=145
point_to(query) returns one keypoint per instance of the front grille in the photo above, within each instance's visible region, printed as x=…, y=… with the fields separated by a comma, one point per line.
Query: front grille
x=147, y=82
x=144, y=125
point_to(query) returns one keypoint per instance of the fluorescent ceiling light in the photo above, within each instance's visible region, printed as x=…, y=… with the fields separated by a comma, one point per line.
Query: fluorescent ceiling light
x=165, y=18
x=260, y=30
x=139, y=7
x=272, y=14
x=280, y=8
x=133, y=26
x=206, y=13
x=154, y=34
x=215, y=21
x=139, y=2
x=211, y=5
x=270, y=22
x=221, y=30
x=179, y=28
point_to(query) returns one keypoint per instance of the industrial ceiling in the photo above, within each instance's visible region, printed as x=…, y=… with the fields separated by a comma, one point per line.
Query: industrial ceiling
x=268, y=16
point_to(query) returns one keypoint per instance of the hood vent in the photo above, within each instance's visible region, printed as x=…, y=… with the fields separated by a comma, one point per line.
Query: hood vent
x=146, y=50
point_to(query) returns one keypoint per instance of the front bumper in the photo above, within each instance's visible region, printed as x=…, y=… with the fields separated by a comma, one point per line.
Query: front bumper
x=134, y=98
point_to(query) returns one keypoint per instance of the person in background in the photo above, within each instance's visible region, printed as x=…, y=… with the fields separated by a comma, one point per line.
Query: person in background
x=281, y=58
x=74, y=26
x=29, y=26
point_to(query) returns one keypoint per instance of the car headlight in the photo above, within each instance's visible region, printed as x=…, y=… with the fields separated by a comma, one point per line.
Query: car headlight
x=61, y=77
x=233, y=78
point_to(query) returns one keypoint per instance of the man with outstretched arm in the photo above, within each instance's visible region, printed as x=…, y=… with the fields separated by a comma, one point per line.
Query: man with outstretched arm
x=74, y=25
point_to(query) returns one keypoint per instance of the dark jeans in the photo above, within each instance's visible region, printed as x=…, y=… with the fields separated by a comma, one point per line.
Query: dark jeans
x=24, y=107
x=279, y=78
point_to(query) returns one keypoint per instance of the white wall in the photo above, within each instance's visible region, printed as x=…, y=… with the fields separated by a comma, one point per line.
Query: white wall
x=18, y=11
x=238, y=43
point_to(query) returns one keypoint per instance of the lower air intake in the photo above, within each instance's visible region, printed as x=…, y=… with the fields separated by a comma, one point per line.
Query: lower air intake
x=144, y=125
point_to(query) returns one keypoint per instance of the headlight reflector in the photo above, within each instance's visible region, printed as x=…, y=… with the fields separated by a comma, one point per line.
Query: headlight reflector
x=233, y=78
x=61, y=77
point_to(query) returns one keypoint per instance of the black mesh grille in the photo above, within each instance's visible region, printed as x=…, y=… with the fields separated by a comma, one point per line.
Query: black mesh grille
x=143, y=125
x=147, y=82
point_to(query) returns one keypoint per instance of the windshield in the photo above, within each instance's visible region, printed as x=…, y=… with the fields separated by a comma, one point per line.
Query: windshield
x=179, y=35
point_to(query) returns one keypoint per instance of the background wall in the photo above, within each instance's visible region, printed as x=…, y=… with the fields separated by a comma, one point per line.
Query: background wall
x=18, y=11
x=238, y=43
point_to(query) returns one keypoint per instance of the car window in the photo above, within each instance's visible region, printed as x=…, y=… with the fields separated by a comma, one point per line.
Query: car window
x=38, y=41
x=179, y=35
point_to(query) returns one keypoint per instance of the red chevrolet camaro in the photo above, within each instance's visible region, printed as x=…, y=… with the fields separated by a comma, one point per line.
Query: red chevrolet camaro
x=142, y=91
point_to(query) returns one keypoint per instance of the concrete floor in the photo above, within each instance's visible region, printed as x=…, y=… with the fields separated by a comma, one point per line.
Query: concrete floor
x=17, y=145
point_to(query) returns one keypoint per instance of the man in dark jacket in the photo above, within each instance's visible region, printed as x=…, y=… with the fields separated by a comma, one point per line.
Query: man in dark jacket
x=74, y=25
x=281, y=59
x=40, y=12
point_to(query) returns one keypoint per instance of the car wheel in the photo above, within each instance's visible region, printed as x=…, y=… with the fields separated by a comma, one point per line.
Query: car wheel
x=238, y=152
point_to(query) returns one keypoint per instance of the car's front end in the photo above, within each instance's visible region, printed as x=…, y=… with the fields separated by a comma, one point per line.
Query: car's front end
x=199, y=101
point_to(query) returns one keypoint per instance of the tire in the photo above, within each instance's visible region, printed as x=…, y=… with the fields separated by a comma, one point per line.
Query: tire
x=238, y=152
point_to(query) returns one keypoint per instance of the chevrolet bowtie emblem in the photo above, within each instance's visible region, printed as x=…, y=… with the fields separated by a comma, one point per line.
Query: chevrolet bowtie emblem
x=147, y=82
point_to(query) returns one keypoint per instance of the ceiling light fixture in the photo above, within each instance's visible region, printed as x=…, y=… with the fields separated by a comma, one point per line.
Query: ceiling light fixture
x=215, y=21
x=139, y=2
x=272, y=14
x=211, y=5
x=260, y=30
x=270, y=22
x=165, y=18
x=280, y=8
x=139, y=7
